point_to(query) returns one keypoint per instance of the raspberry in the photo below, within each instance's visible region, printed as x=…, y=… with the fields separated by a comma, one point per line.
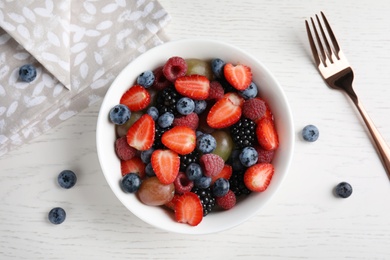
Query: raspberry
x=227, y=201
x=264, y=156
x=212, y=164
x=123, y=150
x=216, y=91
x=160, y=81
x=174, y=67
x=191, y=120
x=254, y=109
x=183, y=184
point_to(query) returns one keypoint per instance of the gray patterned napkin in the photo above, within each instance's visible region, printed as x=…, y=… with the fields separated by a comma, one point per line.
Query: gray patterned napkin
x=78, y=48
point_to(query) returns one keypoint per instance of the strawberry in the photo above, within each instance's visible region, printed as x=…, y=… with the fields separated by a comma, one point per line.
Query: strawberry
x=134, y=165
x=225, y=173
x=136, y=98
x=166, y=164
x=226, y=111
x=258, y=176
x=141, y=134
x=188, y=209
x=239, y=76
x=193, y=86
x=266, y=134
x=171, y=204
x=180, y=139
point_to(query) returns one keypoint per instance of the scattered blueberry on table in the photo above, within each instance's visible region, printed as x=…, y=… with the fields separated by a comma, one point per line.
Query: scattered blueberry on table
x=57, y=215
x=310, y=133
x=343, y=190
x=27, y=73
x=67, y=179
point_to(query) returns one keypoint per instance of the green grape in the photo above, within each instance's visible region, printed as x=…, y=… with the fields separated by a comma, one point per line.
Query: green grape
x=200, y=67
x=121, y=130
x=152, y=192
x=224, y=144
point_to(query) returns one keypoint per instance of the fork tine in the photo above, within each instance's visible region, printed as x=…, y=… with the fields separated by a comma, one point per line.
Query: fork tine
x=312, y=45
x=331, y=35
x=319, y=43
x=328, y=51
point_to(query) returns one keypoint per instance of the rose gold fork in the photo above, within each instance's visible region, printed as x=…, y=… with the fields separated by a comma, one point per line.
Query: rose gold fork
x=337, y=73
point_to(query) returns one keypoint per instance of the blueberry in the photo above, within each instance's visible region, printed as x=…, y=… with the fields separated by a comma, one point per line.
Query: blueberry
x=27, y=73
x=131, y=182
x=235, y=160
x=153, y=112
x=120, y=114
x=217, y=67
x=67, y=179
x=165, y=120
x=221, y=187
x=249, y=92
x=149, y=170
x=194, y=171
x=146, y=79
x=185, y=106
x=248, y=156
x=57, y=215
x=200, y=106
x=146, y=155
x=203, y=182
x=310, y=133
x=343, y=190
x=206, y=143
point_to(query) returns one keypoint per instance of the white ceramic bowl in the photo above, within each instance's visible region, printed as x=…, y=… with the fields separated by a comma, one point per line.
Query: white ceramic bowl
x=270, y=90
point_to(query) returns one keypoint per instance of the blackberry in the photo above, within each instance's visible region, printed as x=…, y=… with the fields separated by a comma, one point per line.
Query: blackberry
x=207, y=199
x=157, y=136
x=237, y=184
x=167, y=99
x=187, y=159
x=243, y=133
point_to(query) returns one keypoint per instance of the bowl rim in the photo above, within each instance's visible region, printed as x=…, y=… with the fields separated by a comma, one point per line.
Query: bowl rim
x=103, y=118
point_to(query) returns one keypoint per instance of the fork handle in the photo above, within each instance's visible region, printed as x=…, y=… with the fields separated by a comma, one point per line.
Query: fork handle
x=382, y=147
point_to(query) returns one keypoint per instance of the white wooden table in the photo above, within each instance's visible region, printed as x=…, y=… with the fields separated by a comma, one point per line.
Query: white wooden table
x=304, y=220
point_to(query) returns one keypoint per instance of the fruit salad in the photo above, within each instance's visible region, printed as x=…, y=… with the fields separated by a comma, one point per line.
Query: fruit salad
x=193, y=136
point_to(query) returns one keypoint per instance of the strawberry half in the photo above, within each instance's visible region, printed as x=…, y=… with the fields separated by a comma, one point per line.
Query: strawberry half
x=141, y=134
x=180, y=139
x=266, y=134
x=193, y=86
x=239, y=76
x=134, y=165
x=226, y=111
x=188, y=209
x=258, y=176
x=136, y=98
x=166, y=164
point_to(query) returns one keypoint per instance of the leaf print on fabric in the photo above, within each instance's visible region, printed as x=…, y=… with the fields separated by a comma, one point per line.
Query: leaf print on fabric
x=22, y=30
x=29, y=14
x=17, y=18
x=109, y=8
x=22, y=56
x=79, y=58
x=4, y=38
x=84, y=70
x=78, y=47
x=89, y=7
x=12, y=108
x=53, y=39
x=98, y=58
x=104, y=25
x=33, y=101
x=104, y=40
x=67, y=114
